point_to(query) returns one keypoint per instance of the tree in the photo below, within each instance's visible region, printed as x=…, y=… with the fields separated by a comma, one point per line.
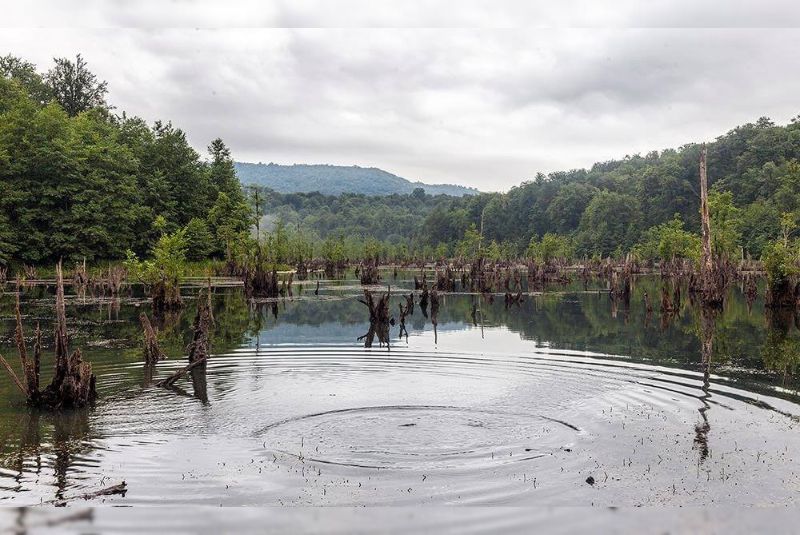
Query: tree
x=469, y=245
x=567, y=207
x=75, y=87
x=200, y=242
x=24, y=73
x=228, y=220
x=222, y=172
x=668, y=241
x=551, y=247
x=610, y=221
x=725, y=223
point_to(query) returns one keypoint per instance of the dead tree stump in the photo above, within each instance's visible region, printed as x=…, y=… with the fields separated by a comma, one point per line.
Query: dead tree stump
x=152, y=351
x=73, y=384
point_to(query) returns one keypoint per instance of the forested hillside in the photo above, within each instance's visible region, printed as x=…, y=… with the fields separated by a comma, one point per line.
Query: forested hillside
x=336, y=179
x=610, y=208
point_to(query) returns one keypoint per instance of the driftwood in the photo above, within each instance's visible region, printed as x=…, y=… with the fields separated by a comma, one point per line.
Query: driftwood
x=73, y=384
x=434, y=303
x=513, y=299
x=445, y=280
x=410, y=304
x=302, y=270
x=80, y=277
x=378, y=309
x=173, y=378
x=423, y=300
x=403, y=314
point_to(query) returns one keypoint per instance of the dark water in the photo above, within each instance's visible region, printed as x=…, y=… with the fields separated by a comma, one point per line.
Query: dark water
x=509, y=406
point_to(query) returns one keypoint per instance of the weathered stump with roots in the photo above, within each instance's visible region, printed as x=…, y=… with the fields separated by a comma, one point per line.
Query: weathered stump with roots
x=73, y=384
x=379, y=318
x=260, y=282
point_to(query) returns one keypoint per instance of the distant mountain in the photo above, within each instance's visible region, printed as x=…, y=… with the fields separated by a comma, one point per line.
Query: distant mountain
x=336, y=179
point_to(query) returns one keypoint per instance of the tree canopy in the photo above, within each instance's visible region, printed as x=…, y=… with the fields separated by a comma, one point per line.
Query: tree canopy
x=77, y=181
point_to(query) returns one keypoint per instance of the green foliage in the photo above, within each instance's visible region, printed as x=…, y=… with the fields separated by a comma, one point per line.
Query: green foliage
x=199, y=239
x=24, y=73
x=167, y=262
x=668, y=241
x=470, y=244
x=372, y=249
x=550, y=247
x=609, y=221
x=335, y=180
x=781, y=261
x=75, y=87
x=493, y=252
x=76, y=182
x=333, y=249
x=229, y=221
x=725, y=224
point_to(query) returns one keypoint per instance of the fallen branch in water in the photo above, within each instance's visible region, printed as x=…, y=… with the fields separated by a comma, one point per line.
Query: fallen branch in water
x=13, y=375
x=169, y=381
x=121, y=488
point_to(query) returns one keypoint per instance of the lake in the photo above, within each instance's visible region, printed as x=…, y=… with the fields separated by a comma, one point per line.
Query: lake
x=564, y=399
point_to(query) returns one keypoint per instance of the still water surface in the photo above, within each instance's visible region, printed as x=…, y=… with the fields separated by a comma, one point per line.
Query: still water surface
x=516, y=406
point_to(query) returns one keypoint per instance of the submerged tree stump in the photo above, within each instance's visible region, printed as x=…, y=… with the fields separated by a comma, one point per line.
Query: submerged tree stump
x=166, y=296
x=260, y=282
x=379, y=318
x=73, y=384
x=152, y=351
x=199, y=348
x=369, y=273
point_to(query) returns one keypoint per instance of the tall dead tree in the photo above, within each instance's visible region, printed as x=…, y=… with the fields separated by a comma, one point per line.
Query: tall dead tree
x=712, y=278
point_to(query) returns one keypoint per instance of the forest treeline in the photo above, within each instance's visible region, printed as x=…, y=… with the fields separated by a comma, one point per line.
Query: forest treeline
x=80, y=179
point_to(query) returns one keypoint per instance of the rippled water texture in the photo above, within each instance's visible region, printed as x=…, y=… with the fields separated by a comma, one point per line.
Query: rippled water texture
x=560, y=401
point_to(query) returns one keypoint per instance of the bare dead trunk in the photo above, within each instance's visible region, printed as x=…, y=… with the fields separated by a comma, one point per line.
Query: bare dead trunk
x=152, y=351
x=712, y=278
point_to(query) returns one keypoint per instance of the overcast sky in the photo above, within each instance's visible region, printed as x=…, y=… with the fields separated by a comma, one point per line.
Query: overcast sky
x=481, y=93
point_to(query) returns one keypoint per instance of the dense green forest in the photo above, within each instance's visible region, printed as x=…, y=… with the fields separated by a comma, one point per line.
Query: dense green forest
x=79, y=178
x=336, y=179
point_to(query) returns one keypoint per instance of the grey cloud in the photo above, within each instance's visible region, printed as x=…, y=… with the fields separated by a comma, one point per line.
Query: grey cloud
x=488, y=108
